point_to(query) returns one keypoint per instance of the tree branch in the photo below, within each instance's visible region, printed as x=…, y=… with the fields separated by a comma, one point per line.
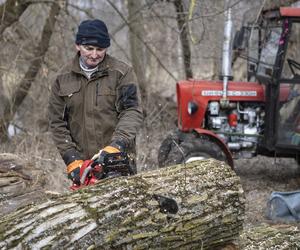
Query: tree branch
x=10, y=11
x=145, y=43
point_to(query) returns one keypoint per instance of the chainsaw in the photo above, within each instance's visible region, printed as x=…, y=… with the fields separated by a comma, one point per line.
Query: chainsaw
x=113, y=165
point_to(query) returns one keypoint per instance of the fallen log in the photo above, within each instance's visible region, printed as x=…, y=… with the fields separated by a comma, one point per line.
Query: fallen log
x=199, y=205
x=265, y=236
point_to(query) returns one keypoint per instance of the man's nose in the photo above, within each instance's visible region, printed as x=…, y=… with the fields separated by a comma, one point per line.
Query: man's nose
x=94, y=54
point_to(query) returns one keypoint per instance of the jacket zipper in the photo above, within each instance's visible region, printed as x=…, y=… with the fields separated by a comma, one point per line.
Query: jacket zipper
x=83, y=115
x=97, y=86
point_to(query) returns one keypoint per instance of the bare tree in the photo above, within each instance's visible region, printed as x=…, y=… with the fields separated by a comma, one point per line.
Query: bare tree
x=35, y=64
x=10, y=12
x=148, y=47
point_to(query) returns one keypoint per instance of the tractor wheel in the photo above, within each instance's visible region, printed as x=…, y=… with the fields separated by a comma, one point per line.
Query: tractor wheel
x=182, y=147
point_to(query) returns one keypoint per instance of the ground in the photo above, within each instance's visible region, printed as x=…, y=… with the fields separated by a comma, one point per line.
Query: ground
x=259, y=177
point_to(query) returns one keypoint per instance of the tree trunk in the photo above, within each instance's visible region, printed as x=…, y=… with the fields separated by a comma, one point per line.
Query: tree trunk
x=271, y=237
x=136, y=45
x=199, y=205
x=185, y=45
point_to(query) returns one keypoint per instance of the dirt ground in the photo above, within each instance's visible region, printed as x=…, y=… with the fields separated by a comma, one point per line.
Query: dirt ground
x=259, y=177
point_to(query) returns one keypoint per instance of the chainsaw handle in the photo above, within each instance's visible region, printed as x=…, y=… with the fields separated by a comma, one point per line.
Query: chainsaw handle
x=84, y=174
x=94, y=163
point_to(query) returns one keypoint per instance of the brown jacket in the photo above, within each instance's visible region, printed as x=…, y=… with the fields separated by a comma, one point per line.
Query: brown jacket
x=88, y=114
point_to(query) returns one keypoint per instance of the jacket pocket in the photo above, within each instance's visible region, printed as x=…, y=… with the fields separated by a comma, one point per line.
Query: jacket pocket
x=68, y=89
x=105, y=97
x=70, y=92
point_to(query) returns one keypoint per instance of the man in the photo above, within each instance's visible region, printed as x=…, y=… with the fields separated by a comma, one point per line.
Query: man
x=95, y=103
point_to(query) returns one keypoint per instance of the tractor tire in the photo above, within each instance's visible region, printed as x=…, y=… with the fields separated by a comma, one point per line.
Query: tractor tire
x=180, y=147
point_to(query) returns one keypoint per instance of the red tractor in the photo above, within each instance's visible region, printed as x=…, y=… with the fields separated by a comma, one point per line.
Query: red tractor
x=226, y=119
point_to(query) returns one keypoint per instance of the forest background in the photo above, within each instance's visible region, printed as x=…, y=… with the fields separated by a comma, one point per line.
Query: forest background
x=164, y=40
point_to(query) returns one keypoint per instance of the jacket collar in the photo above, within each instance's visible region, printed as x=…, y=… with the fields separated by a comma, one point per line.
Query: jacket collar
x=102, y=67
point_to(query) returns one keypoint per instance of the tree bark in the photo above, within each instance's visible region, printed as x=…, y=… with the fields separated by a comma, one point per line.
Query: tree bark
x=134, y=213
x=270, y=237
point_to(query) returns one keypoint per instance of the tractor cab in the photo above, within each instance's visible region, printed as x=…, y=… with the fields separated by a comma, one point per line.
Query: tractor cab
x=272, y=47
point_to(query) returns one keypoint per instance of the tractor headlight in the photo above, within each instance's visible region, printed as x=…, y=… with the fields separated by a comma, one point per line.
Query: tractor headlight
x=192, y=107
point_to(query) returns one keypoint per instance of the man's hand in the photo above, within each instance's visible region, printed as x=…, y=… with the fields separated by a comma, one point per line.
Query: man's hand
x=73, y=170
x=103, y=152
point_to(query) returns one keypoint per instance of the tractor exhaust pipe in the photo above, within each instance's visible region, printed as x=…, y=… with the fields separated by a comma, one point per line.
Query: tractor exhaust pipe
x=226, y=54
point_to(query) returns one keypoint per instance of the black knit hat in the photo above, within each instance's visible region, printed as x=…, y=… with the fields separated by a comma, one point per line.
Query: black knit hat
x=93, y=32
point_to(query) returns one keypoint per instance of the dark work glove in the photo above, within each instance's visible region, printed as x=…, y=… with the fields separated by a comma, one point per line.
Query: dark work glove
x=105, y=151
x=73, y=170
x=116, y=146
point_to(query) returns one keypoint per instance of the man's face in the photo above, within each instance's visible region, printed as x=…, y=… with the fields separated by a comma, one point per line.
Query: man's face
x=92, y=55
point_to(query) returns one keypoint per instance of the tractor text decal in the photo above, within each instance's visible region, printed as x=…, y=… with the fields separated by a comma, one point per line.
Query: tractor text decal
x=229, y=93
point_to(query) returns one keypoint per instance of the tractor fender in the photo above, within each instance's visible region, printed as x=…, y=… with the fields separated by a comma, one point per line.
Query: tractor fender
x=215, y=138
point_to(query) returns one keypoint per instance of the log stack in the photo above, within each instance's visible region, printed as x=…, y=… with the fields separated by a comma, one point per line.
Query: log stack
x=199, y=205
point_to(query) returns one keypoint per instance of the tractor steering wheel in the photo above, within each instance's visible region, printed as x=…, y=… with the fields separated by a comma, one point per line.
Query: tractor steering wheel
x=294, y=67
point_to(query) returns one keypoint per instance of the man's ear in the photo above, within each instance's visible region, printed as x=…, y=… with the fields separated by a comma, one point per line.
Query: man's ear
x=77, y=47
